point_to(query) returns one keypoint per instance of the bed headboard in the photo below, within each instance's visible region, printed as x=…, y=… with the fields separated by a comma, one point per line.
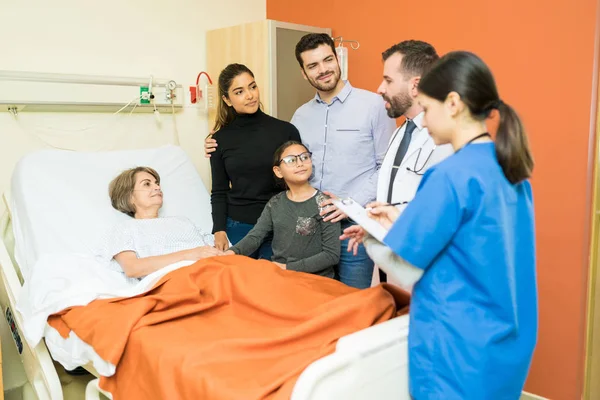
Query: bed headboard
x=59, y=199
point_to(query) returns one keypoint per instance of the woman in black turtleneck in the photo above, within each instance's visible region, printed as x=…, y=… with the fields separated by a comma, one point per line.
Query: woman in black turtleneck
x=242, y=173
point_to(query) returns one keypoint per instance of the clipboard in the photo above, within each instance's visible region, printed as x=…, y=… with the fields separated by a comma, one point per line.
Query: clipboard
x=359, y=214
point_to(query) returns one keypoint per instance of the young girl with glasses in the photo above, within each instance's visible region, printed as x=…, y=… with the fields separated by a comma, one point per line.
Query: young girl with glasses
x=301, y=240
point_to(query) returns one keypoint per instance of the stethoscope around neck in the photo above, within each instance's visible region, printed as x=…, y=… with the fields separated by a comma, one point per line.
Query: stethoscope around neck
x=418, y=171
x=414, y=169
x=474, y=139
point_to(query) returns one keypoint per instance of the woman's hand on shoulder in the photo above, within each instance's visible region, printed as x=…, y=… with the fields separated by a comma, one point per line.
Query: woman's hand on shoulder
x=330, y=212
x=221, y=241
x=210, y=144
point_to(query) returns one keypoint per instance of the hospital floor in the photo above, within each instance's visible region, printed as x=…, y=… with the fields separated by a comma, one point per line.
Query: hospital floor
x=73, y=387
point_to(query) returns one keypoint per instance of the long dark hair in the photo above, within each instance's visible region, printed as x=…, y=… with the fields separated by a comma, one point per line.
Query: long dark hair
x=466, y=74
x=277, y=159
x=226, y=114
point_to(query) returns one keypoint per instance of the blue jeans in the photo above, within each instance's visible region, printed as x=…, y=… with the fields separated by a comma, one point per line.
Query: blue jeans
x=236, y=231
x=355, y=270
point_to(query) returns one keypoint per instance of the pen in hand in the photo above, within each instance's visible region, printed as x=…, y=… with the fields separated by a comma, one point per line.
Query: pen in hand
x=386, y=205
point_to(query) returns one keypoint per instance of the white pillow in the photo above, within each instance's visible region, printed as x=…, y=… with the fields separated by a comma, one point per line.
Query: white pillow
x=60, y=199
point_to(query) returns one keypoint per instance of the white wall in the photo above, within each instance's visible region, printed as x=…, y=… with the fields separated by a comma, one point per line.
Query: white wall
x=113, y=37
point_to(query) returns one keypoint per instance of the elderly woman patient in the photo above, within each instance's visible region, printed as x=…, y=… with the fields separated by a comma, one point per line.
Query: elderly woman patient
x=147, y=242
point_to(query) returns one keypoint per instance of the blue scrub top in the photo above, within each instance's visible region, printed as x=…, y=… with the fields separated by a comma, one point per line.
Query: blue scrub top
x=473, y=313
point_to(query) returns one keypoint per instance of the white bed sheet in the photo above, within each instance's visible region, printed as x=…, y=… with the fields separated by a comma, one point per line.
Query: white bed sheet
x=60, y=201
x=61, y=211
x=59, y=281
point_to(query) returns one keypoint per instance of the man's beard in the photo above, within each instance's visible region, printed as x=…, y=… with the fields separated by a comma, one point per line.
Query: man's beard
x=399, y=104
x=327, y=87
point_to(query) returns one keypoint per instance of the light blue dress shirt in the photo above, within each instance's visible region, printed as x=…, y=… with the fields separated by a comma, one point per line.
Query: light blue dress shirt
x=348, y=139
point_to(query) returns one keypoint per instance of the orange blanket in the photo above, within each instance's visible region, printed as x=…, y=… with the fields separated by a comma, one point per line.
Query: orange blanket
x=223, y=328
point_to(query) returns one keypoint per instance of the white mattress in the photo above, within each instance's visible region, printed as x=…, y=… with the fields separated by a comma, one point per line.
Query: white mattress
x=61, y=209
x=61, y=204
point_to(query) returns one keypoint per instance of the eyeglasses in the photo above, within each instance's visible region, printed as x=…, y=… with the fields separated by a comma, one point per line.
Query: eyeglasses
x=418, y=171
x=292, y=160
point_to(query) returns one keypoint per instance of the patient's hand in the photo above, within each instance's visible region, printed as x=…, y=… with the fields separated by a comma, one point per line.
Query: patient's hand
x=221, y=241
x=210, y=145
x=229, y=253
x=280, y=265
x=203, y=252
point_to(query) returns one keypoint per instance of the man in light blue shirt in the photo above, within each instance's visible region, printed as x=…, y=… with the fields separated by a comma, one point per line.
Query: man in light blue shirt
x=348, y=131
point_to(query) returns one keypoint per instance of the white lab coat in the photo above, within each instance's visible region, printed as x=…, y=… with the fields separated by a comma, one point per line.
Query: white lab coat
x=406, y=181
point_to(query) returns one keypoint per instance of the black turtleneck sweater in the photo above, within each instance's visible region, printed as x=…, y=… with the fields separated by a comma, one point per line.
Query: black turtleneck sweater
x=244, y=158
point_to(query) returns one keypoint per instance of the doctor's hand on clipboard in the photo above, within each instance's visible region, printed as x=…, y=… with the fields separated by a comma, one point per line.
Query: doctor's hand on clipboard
x=376, y=219
x=385, y=214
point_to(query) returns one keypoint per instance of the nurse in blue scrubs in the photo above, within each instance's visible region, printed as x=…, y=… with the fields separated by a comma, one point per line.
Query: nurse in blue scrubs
x=467, y=244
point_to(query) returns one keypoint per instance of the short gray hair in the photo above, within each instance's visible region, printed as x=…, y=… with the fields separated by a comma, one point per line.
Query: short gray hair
x=120, y=189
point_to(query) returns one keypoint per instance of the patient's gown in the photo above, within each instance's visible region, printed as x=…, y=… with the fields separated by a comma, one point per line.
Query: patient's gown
x=151, y=237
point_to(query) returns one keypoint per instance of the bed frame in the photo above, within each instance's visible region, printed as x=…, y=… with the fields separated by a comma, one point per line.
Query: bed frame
x=369, y=364
x=37, y=363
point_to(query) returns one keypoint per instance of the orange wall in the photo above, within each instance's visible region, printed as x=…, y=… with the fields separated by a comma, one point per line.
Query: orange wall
x=542, y=56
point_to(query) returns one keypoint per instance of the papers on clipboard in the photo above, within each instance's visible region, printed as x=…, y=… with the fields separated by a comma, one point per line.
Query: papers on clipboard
x=359, y=214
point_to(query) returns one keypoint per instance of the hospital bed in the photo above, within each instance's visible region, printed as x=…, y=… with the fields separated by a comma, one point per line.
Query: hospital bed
x=56, y=196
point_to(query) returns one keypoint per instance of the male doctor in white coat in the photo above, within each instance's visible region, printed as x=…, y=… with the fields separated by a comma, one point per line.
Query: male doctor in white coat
x=411, y=151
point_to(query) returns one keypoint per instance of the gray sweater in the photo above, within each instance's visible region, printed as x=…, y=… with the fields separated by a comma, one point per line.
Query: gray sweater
x=301, y=239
